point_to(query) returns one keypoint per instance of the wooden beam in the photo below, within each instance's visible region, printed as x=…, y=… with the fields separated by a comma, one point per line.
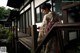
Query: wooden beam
x=70, y=5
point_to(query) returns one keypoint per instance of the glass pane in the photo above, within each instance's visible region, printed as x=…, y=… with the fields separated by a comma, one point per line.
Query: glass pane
x=54, y=9
x=57, y=6
x=20, y=24
x=38, y=14
x=42, y=16
x=23, y=23
x=26, y=19
x=30, y=19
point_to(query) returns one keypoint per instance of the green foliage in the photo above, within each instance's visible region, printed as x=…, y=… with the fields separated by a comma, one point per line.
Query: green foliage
x=5, y=33
x=3, y=12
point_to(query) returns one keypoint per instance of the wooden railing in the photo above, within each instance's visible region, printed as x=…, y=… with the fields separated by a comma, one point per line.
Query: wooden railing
x=29, y=41
x=56, y=31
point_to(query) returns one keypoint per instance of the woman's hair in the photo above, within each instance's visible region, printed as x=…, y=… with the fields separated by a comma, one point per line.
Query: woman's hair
x=46, y=5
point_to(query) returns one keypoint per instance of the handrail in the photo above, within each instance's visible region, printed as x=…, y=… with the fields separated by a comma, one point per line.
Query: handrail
x=53, y=29
x=71, y=5
x=68, y=26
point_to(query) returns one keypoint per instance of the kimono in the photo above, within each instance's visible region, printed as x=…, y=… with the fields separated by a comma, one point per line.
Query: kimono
x=49, y=20
x=43, y=30
x=52, y=45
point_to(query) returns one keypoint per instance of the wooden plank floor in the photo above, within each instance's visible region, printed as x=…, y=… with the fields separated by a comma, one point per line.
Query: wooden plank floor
x=26, y=41
x=22, y=35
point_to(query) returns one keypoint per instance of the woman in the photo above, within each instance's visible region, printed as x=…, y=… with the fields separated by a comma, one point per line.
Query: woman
x=46, y=11
x=46, y=23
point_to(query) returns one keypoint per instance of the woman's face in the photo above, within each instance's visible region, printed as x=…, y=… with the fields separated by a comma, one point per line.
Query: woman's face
x=45, y=11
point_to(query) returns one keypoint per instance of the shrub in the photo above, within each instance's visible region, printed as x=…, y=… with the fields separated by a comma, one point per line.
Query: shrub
x=5, y=33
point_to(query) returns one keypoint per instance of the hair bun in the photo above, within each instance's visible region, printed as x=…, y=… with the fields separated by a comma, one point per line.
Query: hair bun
x=46, y=5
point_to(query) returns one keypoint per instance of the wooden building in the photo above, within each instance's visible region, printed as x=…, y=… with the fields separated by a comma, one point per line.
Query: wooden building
x=27, y=17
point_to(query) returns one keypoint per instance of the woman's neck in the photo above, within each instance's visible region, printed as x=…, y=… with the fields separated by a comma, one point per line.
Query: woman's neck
x=47, y=11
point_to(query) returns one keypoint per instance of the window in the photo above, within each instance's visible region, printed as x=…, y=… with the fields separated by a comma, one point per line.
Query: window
x=57, y=7
x=27, y=21
x=30, y=18
x=38, y=15
x=23, y=23
x=20, y=23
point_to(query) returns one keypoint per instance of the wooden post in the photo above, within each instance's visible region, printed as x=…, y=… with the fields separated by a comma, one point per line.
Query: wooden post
x=60, y=40
x=16, y=35
x=34, y=38
x=65, y=20
x=65, y=17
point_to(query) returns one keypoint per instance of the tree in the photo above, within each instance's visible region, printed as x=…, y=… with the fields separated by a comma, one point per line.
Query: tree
x=3, y=11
